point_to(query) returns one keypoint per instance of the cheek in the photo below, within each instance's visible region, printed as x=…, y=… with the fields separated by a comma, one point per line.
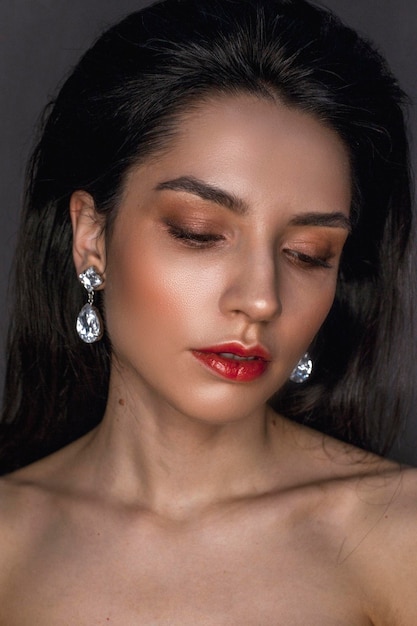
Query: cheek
x=155, y=294
x=139, y=292
x=306, y=304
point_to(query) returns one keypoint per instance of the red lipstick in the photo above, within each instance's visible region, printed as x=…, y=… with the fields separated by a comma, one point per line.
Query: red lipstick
x=234, y=361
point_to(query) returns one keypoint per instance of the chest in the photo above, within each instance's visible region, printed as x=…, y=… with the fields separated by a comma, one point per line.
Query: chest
x=213, y=574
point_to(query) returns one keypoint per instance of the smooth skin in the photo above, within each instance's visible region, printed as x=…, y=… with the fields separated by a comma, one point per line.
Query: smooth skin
x=193, y=503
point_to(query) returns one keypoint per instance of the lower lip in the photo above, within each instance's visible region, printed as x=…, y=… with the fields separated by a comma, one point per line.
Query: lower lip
x=231, y=369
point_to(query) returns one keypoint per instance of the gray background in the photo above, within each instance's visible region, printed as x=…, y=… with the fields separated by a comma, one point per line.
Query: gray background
x=40, y=40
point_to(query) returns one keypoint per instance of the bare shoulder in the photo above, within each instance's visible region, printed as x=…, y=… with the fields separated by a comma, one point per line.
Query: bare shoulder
x=384, y=548
x=21, y=506
x=368, y=508
x=358, y=482
x=30, y=505
x=19, y=498
x=24, y=502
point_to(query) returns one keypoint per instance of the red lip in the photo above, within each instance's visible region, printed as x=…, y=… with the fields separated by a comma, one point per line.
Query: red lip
x=232, y=369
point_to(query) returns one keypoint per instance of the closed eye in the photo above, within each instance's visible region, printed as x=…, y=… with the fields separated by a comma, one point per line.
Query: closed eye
x=305, y=260
x=192, y=238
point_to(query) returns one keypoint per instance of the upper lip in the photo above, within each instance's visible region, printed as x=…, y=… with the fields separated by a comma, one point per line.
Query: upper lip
x=239, y=350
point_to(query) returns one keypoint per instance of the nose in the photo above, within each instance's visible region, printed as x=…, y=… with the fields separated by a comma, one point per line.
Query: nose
x=253, y=289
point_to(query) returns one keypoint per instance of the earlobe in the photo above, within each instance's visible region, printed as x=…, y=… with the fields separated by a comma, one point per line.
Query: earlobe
x=88, y=233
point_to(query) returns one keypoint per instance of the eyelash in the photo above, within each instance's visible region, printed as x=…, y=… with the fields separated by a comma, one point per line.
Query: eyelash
x=206, y=240
x=308, y=261
x=192, y=238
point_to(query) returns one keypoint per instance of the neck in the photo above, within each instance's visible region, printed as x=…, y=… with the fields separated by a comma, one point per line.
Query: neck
x=174, y=463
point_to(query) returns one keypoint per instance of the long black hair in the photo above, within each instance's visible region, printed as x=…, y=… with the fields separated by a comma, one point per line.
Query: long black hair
x=120, y=105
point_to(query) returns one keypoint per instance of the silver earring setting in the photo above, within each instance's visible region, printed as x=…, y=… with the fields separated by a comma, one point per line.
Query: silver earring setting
x=302, y=370
x=89, y=322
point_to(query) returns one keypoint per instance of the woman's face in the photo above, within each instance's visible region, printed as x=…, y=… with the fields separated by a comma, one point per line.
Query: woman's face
x=223, y=260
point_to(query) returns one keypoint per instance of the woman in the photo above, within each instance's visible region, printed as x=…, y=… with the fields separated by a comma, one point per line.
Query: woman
x=229, y=182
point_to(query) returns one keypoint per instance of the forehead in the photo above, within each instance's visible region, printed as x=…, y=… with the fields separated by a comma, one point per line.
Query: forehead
x=260, y=150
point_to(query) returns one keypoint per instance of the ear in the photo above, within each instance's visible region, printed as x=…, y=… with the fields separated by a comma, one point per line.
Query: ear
x=88, y=233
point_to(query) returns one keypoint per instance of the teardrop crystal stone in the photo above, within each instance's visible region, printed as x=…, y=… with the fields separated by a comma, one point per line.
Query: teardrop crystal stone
x=89, y=324
x=302, y=370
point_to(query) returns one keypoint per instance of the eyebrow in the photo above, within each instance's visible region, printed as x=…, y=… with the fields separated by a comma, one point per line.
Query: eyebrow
x=332, y=220
x=205, y=191
x=208, y=192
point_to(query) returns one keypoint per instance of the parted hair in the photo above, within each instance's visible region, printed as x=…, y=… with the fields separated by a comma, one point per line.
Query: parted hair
x=120, y=105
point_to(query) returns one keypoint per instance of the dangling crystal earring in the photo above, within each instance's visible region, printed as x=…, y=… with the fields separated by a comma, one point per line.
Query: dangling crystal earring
x=302, y=370
x=89, y=322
